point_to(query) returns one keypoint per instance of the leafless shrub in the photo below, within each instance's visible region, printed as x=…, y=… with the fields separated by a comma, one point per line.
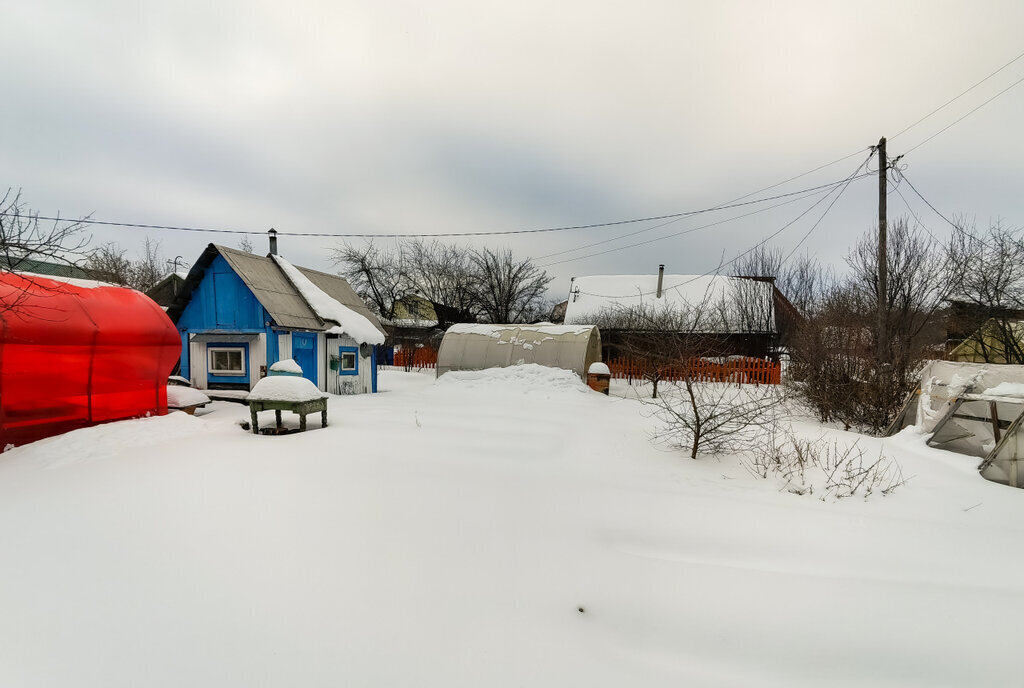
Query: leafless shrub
x=832, y=470
x=110, y=263
x=715, y=417
x=24, y=241
x=837, y=364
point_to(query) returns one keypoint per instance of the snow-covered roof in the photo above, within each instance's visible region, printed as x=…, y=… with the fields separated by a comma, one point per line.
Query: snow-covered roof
x=735, y=302
x=328, y=308
x=73, y=281
x=278, y=294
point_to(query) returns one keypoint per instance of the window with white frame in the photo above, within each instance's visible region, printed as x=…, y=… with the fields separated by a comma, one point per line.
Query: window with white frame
x=348, y=361
x=225, y=360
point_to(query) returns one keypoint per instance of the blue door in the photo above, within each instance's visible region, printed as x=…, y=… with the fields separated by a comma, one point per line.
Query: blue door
x=304, y=353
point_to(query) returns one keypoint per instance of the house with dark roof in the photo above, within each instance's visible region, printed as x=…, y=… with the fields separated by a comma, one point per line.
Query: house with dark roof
x=239, y=313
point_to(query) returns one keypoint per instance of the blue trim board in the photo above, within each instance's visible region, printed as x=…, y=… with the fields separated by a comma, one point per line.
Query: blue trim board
x=354, y=350
x=373, y=370
x=228, y=378
x=186, y=369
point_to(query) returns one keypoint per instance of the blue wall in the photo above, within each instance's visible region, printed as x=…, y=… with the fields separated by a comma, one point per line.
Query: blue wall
x=223, y=302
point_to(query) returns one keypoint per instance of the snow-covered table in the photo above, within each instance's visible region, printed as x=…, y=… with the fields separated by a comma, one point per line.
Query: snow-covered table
x=287, y=393
x=302, y=408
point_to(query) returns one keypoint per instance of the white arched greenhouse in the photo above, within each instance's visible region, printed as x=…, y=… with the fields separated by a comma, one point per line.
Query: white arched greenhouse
x=476, y=347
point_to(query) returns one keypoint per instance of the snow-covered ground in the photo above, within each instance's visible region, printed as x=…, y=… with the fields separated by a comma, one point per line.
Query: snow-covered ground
x=506, y=528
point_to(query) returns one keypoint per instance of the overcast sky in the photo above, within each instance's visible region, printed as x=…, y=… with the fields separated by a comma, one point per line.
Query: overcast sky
x=382, y=117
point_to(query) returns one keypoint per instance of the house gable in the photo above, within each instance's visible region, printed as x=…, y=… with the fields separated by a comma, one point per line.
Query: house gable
x=222, y=301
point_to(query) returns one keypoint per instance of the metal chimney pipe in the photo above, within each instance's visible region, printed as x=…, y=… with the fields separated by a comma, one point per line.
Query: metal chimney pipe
x=273, y=241
x=661, y=276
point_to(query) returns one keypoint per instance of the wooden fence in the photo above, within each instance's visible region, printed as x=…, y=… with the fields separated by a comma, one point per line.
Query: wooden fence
x=757, y=371
x=423, y=357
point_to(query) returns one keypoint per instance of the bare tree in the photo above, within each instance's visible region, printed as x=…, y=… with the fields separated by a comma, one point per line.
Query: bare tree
x=23, y=239
x=110, y=263
x=715, y=417
x=245, y=244
x=659, y=337
x=24, y=242
x=834, y=355
x=509, y=290
x=443, y=274
x=376, y=274
x=761, y=261
x=150, y=266
x=988, y=291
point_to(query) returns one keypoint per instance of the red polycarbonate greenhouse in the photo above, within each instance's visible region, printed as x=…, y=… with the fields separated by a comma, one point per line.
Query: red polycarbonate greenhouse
x=75, y=353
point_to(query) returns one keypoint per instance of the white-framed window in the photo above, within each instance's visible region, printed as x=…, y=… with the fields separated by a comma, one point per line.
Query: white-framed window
x=226, y=360
x=348, y=360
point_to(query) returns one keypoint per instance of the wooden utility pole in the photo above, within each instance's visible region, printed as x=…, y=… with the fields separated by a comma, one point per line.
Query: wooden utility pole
x=883, y=259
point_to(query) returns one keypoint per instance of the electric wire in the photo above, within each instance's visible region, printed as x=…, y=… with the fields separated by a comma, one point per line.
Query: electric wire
x=965, y=116
x=955, y=98
x=852, y=177
x=803, y=193
x=689, y=230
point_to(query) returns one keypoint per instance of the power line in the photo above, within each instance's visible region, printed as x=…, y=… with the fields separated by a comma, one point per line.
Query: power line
x=803, y=193
x=852, y=177
x=928, y=203
x=957, y=97
x=815, y=225
x=689, y=213
x=963, y=117
x=670, y=236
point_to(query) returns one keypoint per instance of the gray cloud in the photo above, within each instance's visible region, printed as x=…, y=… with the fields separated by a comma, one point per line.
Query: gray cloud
x=458, y=116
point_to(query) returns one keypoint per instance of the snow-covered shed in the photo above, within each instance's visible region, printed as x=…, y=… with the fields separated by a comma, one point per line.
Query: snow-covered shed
x=239, y=313
x=971, y=408
x=476, y=347
x=75, y=353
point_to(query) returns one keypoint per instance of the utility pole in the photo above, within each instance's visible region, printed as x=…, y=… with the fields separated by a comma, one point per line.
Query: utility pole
x=883, y=259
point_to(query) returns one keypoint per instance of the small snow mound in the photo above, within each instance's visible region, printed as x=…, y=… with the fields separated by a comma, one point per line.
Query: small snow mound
x=287, y=366
x=180, y=397
x=285, y=388
x=523, y=375
x=598, y=368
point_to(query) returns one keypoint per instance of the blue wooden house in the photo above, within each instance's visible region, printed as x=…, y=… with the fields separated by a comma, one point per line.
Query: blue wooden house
x=239, y=313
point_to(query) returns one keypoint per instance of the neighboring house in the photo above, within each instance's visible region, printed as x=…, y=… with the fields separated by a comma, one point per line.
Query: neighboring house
x=731, y=315
x=998, y=340
x=414, y=311
x=414, y=325
x=167, y=289
x=239, y=313
x=42, y=267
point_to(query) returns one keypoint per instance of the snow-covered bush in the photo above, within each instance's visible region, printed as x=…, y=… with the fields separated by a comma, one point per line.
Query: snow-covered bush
x=830, y=470
x=715, y=417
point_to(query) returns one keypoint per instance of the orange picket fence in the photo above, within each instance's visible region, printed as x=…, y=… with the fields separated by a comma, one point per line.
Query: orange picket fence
x=757, y=371
x=423, y=357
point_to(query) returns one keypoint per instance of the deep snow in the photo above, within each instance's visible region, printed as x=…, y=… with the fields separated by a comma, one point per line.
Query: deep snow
x=448, y=533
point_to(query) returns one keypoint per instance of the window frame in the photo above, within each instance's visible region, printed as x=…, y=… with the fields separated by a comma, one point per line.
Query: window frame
x=342, y=351
x=243, y=352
